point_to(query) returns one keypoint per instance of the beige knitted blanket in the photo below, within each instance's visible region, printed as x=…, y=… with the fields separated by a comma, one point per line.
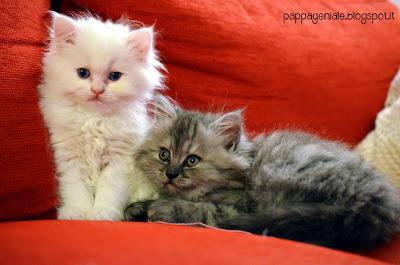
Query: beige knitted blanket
x=382, y=146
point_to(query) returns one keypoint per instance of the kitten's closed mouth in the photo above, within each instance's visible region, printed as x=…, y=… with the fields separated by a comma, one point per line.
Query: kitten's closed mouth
x=171, y=187
x=95, y=99
x=170, y=183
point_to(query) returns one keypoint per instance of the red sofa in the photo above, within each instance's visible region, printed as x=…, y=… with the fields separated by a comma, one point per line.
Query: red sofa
x=330, y=78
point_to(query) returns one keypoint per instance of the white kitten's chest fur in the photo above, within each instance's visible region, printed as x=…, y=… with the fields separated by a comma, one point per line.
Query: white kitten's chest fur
x=88, y=142
x=92, y=139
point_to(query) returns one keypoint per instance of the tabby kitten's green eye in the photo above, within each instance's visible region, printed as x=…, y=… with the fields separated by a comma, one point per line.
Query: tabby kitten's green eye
x=192, y=161
x=164, y=155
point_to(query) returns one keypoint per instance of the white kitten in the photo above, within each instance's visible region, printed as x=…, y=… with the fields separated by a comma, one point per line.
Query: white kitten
x=97, y=78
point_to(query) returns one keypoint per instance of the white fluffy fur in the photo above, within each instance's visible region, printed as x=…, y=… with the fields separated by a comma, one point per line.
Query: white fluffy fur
x=93, y=140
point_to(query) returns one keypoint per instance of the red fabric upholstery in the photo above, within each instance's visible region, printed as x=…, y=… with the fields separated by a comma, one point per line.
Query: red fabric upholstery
x=388, y=252
x=330, y=78
x=27, y=175
x=74, y=242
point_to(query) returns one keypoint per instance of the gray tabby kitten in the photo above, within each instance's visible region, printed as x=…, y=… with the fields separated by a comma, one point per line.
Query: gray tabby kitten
x=288, y=184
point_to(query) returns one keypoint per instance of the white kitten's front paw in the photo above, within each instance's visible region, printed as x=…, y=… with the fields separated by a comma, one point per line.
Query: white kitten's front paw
x=71, y=213
x=108, y=214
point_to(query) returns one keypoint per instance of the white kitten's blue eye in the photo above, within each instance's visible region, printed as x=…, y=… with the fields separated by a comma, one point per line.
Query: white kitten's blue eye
x=83, y=73
x=114, y=76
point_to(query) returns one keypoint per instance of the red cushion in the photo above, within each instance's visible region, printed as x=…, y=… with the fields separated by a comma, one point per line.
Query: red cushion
x=27, y=175
x=77, y=242
x=330, y=78
x=388, y=252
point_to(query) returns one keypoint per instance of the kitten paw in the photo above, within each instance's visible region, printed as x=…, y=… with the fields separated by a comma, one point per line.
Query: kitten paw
x=72, y=213
x=105, y=214
x=137, y=211
x=164, y=211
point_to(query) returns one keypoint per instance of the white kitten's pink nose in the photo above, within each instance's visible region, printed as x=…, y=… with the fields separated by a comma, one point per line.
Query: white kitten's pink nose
x=97, y=90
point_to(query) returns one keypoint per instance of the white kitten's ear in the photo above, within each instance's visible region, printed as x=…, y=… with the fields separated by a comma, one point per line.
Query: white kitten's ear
x=63, y=28
x=140, y=42
x=229, y=128
x=164, y=108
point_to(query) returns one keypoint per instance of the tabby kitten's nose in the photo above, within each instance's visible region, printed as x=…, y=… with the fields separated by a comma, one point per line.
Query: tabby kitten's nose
x=172, y=173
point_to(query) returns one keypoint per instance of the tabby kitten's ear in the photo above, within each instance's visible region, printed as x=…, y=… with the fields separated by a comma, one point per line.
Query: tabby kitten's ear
x=229, y=128
x=164, y=108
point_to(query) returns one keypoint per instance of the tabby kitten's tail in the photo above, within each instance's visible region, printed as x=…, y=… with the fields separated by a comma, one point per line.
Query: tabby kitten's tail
x=325, y=225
